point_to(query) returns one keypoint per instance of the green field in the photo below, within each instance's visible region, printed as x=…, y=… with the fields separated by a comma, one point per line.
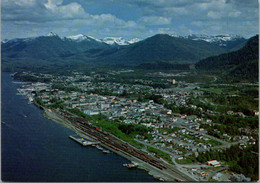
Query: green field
x=161, y=154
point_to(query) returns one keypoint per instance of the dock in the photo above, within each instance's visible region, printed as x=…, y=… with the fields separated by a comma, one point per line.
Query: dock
x=83, y=141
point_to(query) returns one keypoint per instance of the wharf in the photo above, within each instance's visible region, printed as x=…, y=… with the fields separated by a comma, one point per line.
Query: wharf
x=82, y=141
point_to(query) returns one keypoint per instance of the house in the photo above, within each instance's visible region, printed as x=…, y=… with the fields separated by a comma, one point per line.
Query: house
x=184, y=116
x=203, y=173
x=105, y=106
x=173, y=81
x=256, y=113
x=241, y=114
x=183, y=130
x=230, y=112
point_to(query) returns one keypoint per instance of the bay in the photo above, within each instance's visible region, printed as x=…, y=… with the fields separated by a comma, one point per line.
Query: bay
x=34, y=148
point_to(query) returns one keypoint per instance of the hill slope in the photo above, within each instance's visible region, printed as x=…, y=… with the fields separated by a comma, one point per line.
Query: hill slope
x=229, y=42
x=242, y=63
x=43, y=52
x=44, y=47
x=161, y=47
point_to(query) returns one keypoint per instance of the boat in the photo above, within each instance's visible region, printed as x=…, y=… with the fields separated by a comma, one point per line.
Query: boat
x=131, y=165
x=106, y=151
x=99, y=147
x=12, y=75
x=86, y=143
x=3, y=122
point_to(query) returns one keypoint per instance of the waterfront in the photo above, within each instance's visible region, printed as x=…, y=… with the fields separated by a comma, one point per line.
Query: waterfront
x=37, y=149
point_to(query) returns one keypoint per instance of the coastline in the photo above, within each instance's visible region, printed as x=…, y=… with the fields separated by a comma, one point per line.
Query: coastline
x=153, y=171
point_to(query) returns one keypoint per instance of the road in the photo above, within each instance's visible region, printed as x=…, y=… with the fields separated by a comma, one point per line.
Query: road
x=225, y=145
x=180, y=123
x=150, y=145
x=177, y=166
x=212, y=173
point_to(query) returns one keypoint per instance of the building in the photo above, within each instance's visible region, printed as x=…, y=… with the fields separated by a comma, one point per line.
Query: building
x=256, y=113
x=204, y=173
x=213, y=163
x=91, y=112
x=173, y=81
x=105, y=106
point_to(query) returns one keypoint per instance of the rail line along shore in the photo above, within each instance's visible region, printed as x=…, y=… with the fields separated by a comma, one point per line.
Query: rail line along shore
x=157, y=168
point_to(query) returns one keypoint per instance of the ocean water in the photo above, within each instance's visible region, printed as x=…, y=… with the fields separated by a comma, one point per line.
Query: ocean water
x=37, y=149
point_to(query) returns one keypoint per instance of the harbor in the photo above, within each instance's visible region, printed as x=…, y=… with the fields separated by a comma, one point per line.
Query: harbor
x=36, y=149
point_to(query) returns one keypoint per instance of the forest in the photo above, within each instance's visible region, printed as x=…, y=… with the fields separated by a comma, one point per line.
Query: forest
x=240, y=160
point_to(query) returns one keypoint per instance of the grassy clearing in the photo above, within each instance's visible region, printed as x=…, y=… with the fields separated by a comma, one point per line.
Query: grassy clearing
x=213, y=142
x=161, y=154
x=187, y=160
x=112, y=127
x=212, y=90
x=183, y=161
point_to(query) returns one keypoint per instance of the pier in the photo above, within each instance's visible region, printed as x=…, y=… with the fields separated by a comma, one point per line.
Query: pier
x=83, y=142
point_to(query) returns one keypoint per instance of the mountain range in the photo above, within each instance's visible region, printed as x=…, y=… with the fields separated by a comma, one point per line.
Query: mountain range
x=53, y=51
x=81, y=38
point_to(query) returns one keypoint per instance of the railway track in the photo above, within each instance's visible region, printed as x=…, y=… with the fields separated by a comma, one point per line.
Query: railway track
x=112, y=142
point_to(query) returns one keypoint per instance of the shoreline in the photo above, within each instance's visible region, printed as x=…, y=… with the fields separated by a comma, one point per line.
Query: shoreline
x=153, y=171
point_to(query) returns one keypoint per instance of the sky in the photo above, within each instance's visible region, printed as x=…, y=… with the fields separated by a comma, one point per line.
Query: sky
x=128, y=18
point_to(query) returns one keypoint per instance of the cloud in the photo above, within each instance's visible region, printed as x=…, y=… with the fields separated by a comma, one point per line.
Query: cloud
x=128, y=18
x=154, y=20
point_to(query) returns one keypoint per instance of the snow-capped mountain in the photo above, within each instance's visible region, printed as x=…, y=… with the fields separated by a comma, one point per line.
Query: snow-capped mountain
x=17, y=40
x=115, y=40
x=4, y=41
x=119, y=41
x=81, y=37
x=214, y=38
x=174, y=35
x=135, y=40
x=52, y=34
x=221, y=40
x=108, y=40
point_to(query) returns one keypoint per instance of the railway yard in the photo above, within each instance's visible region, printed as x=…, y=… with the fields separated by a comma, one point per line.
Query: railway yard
x=164, y=171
